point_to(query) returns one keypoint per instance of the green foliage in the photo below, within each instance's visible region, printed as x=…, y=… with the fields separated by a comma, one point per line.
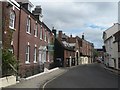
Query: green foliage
x=9, y=63
x=95, y=53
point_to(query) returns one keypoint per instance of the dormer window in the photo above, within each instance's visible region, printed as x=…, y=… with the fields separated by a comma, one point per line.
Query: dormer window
x=12, y=20
x=29, y=7
x=26, y=4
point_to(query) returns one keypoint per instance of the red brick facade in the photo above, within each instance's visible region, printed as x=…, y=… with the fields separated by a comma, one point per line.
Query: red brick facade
x=21, y=39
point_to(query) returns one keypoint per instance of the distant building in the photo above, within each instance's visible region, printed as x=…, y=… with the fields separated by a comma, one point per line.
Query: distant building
x=73, y=42
x=73, y=50
x=111, y=46
x=83, y=50
x=64, y=53
x=100, y=56
x=86, y=51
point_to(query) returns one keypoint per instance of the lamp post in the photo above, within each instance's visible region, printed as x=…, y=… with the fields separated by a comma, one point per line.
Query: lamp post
x=70, y=60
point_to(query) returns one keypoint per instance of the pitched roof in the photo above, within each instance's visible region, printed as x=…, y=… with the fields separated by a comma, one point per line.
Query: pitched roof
x=65, y=47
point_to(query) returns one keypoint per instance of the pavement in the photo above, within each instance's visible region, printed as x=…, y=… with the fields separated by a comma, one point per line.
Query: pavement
x=115, y=71
x=38, y=80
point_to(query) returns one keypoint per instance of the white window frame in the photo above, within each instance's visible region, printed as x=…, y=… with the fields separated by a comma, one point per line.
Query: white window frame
x=48, y=37
x=27, y=55
x=35, y=54
x=28, y=26
x=45, y=36
x=12, y=20
x=41, y=32
x=29, y=7
x=36, y=30
x=48, y=56
x=41, y=57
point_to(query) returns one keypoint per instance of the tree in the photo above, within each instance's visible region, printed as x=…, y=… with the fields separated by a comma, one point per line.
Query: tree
x=9, y=63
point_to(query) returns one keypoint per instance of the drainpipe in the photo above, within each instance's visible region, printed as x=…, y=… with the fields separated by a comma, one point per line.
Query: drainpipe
x=18, y=41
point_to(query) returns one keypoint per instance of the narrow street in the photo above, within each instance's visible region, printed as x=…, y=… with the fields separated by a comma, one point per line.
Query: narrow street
x=86, y=76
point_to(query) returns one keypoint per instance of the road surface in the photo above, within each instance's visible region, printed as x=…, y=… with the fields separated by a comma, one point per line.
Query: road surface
x=85, y=76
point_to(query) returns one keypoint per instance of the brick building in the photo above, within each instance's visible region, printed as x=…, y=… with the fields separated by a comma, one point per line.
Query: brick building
x=100, y=53
x=75, y=42
x=27, y=36
x=80, y=49
x=64, y=53
x=86, y=51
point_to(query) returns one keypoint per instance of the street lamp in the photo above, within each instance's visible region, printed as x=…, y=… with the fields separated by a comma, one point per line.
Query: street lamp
x=70, y=60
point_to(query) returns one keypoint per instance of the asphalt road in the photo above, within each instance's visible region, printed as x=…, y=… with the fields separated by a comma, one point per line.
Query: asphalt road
x=86, y=76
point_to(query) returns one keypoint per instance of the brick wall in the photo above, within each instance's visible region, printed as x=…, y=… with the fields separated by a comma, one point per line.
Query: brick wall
x=25, y=38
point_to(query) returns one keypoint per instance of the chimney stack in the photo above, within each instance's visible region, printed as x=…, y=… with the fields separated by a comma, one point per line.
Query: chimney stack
x=54, y=31
x=60, y=35
x=38, y=12
x=83, y=36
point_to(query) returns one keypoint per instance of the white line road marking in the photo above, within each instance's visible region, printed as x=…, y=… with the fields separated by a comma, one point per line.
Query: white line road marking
x=52, y=80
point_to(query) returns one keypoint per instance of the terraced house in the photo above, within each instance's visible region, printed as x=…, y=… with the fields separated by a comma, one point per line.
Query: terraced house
x=30, y=40
x=112, y=46
x=72, y=50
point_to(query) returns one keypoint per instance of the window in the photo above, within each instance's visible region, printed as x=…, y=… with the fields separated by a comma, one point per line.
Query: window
x=12, y=20
x=118, y=46
x=48, y=38
x=45, y=36
x=36, y=30
x=40, y=57
x=35, y=55
x=48, y=56
x=27, y=54
x=28, y=25
x=119, y=63
x=41, y=32
x=29, y=7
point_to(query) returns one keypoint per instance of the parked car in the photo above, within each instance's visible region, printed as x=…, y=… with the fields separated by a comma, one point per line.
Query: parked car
x=99, y=60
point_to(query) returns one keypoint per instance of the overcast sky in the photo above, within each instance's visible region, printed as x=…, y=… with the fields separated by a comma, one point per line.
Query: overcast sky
x=76, y=18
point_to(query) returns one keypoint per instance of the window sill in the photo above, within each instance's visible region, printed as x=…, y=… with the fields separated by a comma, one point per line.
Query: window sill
x=35, y=36
x=12, y=28
x=27, y=62
x=35, y=61
x=41, y=39
x=28, y=33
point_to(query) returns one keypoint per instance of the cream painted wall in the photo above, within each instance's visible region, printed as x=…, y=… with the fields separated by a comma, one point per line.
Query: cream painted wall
x=84, y=60
x=7, y=81
x=111, y=47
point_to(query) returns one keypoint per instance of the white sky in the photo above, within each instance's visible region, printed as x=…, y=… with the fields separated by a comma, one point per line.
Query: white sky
x=90, y=17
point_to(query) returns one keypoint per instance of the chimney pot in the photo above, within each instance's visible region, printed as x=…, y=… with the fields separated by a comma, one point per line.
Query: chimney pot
x=54, y=31
x=60, y=35
x=83, y=36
